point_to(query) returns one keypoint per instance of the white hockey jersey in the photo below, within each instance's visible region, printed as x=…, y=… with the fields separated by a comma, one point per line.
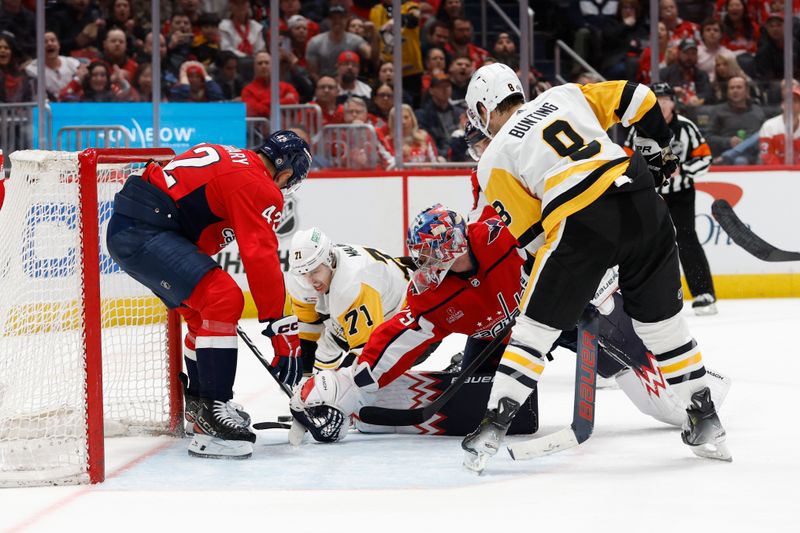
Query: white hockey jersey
x=368, y=286
x=553, y=157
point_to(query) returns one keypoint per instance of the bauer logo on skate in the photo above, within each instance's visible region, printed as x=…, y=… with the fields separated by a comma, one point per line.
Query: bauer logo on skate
x=587, y=377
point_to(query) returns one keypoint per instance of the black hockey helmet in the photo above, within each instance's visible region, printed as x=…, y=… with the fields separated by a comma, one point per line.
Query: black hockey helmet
x=288, y=151
x=663, y=89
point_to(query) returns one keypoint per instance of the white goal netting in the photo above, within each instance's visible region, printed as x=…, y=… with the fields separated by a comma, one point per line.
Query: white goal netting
x=43, y=377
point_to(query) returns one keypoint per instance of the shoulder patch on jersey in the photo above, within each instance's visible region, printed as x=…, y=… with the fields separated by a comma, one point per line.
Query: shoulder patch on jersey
x=495, y=228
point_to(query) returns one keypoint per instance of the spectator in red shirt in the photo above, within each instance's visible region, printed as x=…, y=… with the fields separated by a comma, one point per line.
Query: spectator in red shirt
x=739, y=33
x=772, y=138
x=325, y=97
x=677, y=28
x=666, y=55
x=115, y=53
x=382, y=102
x=461, y=45
x=257, y=95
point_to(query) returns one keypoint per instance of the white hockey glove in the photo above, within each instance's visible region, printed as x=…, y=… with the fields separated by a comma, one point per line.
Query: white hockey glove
x=287, y=366
x=661, y=162
x=325, y=402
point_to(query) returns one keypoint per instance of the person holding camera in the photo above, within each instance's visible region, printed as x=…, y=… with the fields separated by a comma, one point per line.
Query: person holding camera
x=381, y=17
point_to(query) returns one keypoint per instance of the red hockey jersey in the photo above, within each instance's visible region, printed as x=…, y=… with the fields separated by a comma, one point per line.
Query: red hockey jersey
x=226, y=193
x=479, y=304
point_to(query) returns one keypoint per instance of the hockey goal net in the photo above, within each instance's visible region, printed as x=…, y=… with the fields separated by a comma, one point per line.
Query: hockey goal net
x=85, y=350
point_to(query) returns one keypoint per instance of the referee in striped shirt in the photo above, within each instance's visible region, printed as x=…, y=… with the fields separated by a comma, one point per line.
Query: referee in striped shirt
x=694, y=155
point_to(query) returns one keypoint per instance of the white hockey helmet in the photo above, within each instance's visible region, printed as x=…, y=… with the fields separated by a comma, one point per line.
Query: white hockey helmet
x=490, y=85
x=309, y=249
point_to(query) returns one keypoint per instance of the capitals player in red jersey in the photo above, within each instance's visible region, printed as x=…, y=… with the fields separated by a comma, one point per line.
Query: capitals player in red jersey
x=166, y=225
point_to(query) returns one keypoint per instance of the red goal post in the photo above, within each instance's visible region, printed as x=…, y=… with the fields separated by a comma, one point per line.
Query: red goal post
x=85, y=351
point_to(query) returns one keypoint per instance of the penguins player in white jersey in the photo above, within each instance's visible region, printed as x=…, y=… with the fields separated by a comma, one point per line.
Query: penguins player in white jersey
x=340, y=293
x=575, y=199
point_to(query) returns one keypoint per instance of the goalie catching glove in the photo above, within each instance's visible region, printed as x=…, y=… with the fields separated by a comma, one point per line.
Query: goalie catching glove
x=287, y=366
x=661, y=162
x=324, y=403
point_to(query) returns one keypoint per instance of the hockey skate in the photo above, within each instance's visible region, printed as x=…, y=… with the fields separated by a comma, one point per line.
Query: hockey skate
x=192, y=406
x=220, y=433
x=704, y=305
x=484, y=442
x=703, y=431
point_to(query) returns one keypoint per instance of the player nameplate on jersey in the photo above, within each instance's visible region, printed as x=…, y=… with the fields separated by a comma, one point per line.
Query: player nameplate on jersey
x=523, y=125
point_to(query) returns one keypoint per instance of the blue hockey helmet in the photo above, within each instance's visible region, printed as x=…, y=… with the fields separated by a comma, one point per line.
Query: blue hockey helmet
x=436, y=238
x=288, y=151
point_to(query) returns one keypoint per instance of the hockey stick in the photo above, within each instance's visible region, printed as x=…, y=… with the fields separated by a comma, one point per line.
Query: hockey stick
x=585, y=391
x=263, y=360
x=296, y=430
x=744, y=236
x=384, y=416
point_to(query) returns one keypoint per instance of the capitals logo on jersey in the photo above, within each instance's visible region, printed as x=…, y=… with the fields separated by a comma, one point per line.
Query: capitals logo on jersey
x=495, y=227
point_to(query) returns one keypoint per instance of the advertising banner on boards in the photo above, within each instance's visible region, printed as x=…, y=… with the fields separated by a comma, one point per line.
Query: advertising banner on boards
x=182, y=125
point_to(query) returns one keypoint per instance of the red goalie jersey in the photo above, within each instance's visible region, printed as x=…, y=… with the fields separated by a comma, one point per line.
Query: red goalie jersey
x=478, y=303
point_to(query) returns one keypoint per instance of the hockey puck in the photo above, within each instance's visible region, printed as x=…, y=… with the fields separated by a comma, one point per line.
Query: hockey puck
x=285, y=418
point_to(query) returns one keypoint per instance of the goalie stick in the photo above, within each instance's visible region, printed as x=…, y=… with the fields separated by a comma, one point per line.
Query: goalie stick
x=744, y=236
x=585, y=392
x=383, y=416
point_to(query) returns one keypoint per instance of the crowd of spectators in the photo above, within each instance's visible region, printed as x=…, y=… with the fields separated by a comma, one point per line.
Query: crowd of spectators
x=724, y=59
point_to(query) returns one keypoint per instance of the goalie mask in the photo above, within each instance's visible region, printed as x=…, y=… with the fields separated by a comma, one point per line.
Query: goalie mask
x=324, y=403
x=489, y=86
x=436, y=238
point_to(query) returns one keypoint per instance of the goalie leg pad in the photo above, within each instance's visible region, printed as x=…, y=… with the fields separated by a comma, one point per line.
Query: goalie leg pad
x=678, y=356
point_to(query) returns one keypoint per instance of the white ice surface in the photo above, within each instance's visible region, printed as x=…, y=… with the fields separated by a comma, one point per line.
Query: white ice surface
x=634, y=474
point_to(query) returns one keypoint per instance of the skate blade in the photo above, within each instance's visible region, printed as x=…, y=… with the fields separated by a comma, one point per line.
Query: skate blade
x=475, y=462
x=710, y=450
x=297, y=433
x=209, y=447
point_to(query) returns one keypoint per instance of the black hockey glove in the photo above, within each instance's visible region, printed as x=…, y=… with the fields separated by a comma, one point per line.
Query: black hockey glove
x=287, y=366
x=661, y=162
